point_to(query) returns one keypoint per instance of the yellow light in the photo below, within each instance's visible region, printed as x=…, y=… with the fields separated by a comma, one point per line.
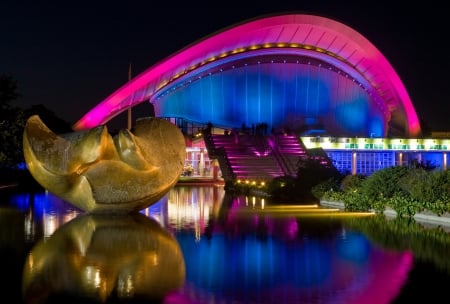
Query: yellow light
x=294, y=206
x=305, y=212
x=192, y=67
x=239, y=50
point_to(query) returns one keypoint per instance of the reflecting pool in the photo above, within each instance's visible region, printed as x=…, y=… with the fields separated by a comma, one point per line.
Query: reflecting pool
x=200, y=245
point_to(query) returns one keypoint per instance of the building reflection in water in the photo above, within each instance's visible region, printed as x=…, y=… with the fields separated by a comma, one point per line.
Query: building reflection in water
x=44, y=213
x=184, y=207
x=188, y=208
x=292, y=254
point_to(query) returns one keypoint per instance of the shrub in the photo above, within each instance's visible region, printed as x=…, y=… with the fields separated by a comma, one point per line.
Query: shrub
x=356, y=201
x=404, y=205
x=329, y=185
x=351, y=182
x=383, y=184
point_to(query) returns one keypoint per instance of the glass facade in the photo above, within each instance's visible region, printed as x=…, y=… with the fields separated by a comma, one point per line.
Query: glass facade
x=197, y=163
x=366, y=162
x=298, y=95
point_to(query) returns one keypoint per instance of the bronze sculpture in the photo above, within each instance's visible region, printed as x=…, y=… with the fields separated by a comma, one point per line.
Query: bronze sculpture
x=99, y=173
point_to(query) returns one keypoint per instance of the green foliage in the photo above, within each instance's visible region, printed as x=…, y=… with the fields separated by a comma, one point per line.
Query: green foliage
x=439, y=207
x=383, y=184
x=432, y=189
x=378, y=206
x=351, y=182
x=13, y=120
x=285, y=188
x=404, y=205
x=407, y=190
x=312, y=171
x=440, y=182
x=8, y=91
x=11, y=133
x=332, y=195
x=329, y=185
x=313, y=180
x=356, y=201
x=402, y=234
x=416, y=183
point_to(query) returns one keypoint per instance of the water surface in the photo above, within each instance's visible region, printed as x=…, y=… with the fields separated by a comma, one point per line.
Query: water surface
x=200, y=245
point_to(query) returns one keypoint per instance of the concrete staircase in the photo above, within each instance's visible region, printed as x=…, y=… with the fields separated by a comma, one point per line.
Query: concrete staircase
x=289, y=149
x=255, y=157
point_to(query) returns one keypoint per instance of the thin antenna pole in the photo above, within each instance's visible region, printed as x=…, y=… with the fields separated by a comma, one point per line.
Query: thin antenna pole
x=129, y=109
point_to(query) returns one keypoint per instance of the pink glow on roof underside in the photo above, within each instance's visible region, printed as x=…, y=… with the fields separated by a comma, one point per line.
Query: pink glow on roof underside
x=337, y=38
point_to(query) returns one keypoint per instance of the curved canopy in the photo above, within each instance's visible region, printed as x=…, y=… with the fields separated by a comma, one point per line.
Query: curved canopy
x=313, y=36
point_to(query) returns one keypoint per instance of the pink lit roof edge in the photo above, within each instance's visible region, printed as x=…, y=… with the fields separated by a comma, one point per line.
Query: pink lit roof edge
x=317, y=31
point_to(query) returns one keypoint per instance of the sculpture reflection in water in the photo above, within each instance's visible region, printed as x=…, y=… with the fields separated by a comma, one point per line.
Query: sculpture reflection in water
x=102, y=257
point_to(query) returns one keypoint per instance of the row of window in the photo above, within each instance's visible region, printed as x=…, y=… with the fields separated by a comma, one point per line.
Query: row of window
x=366, y=162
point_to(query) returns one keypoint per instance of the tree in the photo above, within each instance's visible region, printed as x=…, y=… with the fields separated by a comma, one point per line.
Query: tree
x=315, y=169
x=311, y=172
x=352, y=182
x=12, y=122
x=8, y=92
x=383, y=184
x=50, y=119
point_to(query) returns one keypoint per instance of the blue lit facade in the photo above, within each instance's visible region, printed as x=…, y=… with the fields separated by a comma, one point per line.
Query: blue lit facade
x=366, y=155
x=297, y=95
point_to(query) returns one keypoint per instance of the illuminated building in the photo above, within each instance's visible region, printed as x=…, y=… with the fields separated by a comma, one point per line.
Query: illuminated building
x=307, y=74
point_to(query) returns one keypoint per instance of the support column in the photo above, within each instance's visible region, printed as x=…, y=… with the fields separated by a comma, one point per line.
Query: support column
x=201, y=165
x=400, y=159
x=444, y=161
x=215, y=169
x=354, y=163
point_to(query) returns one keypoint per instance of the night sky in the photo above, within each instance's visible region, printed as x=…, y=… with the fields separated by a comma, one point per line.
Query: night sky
x=70, y=55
